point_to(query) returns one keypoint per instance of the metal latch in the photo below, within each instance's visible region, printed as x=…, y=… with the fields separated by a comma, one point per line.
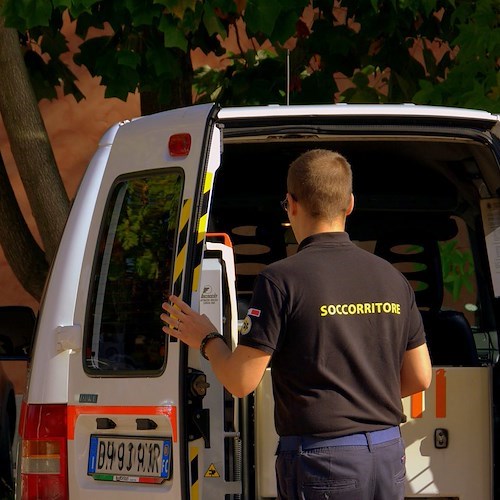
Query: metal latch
x=199, y=385
x=198, y=418
x=441, y=438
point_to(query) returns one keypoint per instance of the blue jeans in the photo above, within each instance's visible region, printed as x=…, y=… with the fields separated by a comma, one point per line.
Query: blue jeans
x=342, y=472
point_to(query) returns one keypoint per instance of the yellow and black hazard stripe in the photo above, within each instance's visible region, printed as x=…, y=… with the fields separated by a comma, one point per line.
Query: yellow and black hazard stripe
x=194, y=484
x=202, y=229
x=182, y=247
x=180, y=258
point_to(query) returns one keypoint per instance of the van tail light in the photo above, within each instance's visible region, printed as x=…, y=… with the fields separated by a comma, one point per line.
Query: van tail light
x=43, y=457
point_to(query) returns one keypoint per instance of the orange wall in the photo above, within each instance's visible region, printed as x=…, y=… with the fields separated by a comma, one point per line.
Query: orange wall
x=74, y=130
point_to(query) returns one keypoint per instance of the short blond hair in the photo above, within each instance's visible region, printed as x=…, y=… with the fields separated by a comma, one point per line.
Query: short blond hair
x=321, y=180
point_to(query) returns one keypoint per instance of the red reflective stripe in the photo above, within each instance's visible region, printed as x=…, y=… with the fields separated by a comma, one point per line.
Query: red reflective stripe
x=75, y=411
x=441, y=393
x=417, y=405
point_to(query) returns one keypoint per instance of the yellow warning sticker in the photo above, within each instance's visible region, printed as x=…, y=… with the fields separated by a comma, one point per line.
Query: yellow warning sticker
x=212, y=471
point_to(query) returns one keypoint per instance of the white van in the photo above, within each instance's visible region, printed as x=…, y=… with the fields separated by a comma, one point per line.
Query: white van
x=188, y=201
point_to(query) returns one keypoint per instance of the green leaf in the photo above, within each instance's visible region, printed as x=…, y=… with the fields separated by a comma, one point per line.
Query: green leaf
x=142, y=12
x=177, y=8
x=212, y=22
x=173, y=36
x=118, y=89
x=285, y=27
x=429, y=6
x=63, y=4
x=92, y=51
x=82, y=6
x=318, y=88
x=84, y=22
x=54, y=43
x=128, y=58
x=25, y=14
x=42, y=77
x=191, y=20
x=261, y=15
x=226, y=6
x=360, y=79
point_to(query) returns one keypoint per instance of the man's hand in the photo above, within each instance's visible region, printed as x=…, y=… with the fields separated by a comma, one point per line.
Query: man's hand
x=240, y=371
x=184, y=323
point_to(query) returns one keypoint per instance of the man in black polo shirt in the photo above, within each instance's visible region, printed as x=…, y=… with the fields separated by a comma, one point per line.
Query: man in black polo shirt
x=346, y=342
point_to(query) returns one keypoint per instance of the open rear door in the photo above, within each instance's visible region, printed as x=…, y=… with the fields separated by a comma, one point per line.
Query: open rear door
x=215, y=442
x=126, y=394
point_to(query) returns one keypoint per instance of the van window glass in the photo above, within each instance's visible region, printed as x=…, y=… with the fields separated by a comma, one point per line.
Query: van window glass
x=132, y=274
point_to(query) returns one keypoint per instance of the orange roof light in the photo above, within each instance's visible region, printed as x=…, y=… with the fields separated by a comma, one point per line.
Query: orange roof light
x=179, y=144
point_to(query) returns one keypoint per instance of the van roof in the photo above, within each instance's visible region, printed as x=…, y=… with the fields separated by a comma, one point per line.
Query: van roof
x=343, y=109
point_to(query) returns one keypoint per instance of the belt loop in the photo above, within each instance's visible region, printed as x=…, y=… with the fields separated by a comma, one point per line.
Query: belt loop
x=369, y=441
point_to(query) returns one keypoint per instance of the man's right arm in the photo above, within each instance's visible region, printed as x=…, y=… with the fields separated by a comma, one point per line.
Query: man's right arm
x=416, y=371
x=239, y=371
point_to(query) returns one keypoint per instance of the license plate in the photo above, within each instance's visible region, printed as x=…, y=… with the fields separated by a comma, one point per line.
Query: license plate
x=130, y=458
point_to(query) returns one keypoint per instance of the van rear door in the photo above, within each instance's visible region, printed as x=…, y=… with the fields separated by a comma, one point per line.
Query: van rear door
x=126, y=426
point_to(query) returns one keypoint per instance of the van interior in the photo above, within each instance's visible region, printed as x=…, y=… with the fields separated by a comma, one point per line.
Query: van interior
x=417, y=204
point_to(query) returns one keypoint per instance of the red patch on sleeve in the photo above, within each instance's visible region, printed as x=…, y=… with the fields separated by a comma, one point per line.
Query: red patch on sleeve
x=254, y=312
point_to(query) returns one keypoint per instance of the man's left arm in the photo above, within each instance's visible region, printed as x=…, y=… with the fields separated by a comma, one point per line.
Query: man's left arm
x=416, y=371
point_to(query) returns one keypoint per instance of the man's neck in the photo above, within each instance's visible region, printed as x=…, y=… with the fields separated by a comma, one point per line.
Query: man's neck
x=314, y=226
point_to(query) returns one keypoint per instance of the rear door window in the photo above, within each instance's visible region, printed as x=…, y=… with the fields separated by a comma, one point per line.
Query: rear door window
x=132, y=275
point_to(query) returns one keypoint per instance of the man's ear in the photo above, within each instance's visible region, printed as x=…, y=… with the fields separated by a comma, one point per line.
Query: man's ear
x=292, y=205
x=350, y=208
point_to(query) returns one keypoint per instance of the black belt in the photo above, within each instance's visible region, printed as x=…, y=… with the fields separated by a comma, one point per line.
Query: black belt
x=292, y=443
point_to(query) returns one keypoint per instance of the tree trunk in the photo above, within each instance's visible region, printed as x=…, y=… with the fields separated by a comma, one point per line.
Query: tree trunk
x=22, y=252
x=32, y=152
x=181, y=90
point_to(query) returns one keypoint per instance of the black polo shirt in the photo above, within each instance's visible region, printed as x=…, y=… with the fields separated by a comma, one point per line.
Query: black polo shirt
x=337, y=321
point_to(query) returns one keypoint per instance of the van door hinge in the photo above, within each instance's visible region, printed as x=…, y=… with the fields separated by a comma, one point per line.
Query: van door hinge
x=69, y=337
x=201, y=420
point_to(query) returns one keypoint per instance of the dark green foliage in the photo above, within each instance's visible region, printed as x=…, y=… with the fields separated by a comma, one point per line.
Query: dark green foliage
x=149, y=45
